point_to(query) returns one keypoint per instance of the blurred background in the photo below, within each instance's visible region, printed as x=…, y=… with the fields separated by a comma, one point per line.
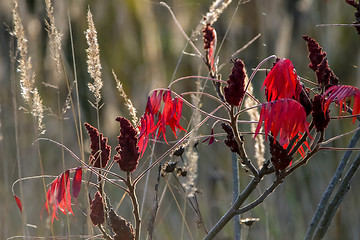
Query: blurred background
x=141, y=43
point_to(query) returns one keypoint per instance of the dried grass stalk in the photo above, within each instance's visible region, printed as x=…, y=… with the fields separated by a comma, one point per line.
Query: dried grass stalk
x=254, y=116
x=54, y=36
x=29, y=92
x=215, y=10
x=93, y=59
x=191, y=155
x=128, y=103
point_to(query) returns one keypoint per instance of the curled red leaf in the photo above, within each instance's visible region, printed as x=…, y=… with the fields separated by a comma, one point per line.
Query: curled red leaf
x=282, y=81
x=155, y=120
x=58, y=196
x=76, y=185
x=18, y=202
x=283, y=117
x=339, y=94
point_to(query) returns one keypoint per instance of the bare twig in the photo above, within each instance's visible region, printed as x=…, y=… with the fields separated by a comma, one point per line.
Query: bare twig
x=337, y=199
x=326, y=196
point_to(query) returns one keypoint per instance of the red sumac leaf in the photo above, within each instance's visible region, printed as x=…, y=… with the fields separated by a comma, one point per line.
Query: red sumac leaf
x=18, y=202
x=283, y=117
x=340, y=93
x=76, y=185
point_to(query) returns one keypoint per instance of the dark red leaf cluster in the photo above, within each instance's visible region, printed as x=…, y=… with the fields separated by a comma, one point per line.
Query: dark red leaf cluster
x=282, y=81
x=318, y=63
x=99, y=156
x=58, y=195
x=320, y=115
x=279, y=156
x=230, y=139
x=97, y=210
x=357, y=13
x=127, y=151
x=235, y=90
x=155, y=119
x=209, y=43
x=122, y=229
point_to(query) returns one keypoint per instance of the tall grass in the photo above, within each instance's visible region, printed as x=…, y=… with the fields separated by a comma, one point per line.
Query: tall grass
x=142, y=44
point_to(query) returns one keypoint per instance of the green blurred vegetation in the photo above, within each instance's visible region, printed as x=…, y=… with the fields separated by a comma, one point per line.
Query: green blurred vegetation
x=140, y=42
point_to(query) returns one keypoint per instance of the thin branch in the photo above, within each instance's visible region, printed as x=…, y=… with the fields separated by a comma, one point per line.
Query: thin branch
x=182, y=31
x=337, y=199
x=326, y=196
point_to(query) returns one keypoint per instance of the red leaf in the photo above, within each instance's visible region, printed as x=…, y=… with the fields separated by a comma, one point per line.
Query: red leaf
x=282, y=81
x=154, y=102
x=58, y=196
x=284, y=117
x=340, y=93
x=211, y=139
x=76, y=185
x=18, y=202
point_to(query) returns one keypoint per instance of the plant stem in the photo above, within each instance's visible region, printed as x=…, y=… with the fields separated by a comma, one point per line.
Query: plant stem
x=326, y=196
x=337, y=199
x=237, y=203
x=135, y=204
x=236, y=189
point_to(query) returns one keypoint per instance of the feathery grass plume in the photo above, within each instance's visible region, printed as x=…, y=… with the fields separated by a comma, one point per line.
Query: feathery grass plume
x=191, y=155
x=93, y=59
x=27, y=78
x=54, y=36
x=128, y=103
x=216, y=9
x=255, y=116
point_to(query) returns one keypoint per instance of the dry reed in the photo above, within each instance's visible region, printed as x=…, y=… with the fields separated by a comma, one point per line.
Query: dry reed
x=29, y=92
x=93, y=59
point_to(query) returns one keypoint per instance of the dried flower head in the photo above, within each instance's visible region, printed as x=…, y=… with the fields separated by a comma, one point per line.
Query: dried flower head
x=279, y=156
x=97, y=210
x=99, y=155
x=357, y=13
x=320, y=115
x=93, y=58
x=316, y=54
x=230, y=140
x=325, y=75
x=127, y=151
x=123, y=229
x=318, y=63
x=210, y=44
x=235, y=91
